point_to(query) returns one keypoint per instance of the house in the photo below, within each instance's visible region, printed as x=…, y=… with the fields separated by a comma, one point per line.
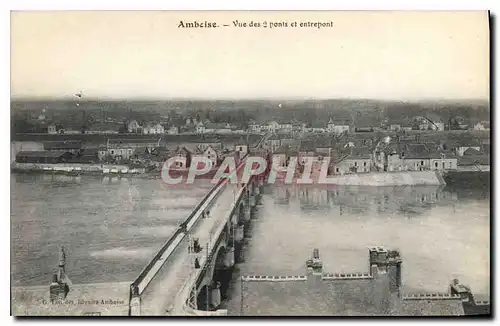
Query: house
x=307, y=149
x=125, y=148
x=254, y=127
x=438, y=126
x=272, y=143
x=357, y=160
x=142, y=155
x=51, y=157
x=317, y=127
x=51, y=129
x=72, y=146
x=286, y=140
x=286, y=126
x=391, y=158
x=87, y=156
x=395, y=128
x=463, y=144
x=153, y=129
x=298, y=127
x=483, y=125
x=273, y=126
x=324, y=146
x=423, y=125
x=418, y=157
x=202, y=144
x=210, y=153
x=280, y=158
x=200, y=128
x=442, y=161
x=173, y=130
x=134, y=126
x=182, y=158
x=415, y=157
x=435, y=122
x=361, y=124
x=338, y=126
x=102, y=152
x=210, y=127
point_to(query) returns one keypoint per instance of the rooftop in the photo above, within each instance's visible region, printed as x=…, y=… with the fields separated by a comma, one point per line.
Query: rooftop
x=64, y=144
x=134, y=141
x=307, y=145
x=47, y=154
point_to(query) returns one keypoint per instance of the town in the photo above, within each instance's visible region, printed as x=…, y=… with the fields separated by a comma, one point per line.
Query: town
x=352, y=145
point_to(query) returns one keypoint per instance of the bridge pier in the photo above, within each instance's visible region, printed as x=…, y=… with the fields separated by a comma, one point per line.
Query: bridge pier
x=238, y=252
x=251, y=200
x=228, y=258
x=239, y=232
x=246, y=214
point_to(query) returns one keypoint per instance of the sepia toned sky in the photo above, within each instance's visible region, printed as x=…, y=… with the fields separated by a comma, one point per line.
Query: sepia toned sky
x=381, y=55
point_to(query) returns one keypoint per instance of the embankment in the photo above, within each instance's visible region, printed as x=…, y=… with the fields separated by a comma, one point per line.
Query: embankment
x=468, y=179
x=379, y=179
x=75, y=168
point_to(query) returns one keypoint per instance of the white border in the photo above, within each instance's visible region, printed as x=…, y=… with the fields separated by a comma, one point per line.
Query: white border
x=179, y=5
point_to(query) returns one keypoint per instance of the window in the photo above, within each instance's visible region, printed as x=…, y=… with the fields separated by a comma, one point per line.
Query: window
x=355, y=163
x=364, y=164
x=449, y=164
x=112, y=151
x=421, y=162
x=241, y=148
x=436, y=164
x=337, y=170
x=443, y=165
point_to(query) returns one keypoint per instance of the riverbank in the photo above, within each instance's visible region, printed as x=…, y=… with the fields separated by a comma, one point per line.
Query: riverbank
x=77, y=169
x=468, y=179
x=377, y=179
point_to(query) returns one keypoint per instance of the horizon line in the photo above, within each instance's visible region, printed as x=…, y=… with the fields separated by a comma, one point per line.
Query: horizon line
x=236, y=99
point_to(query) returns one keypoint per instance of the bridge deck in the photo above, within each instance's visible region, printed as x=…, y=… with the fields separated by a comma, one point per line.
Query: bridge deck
x=159, y=297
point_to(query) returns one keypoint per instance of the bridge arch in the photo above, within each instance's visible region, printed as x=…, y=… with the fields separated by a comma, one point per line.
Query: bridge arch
x=222, y=273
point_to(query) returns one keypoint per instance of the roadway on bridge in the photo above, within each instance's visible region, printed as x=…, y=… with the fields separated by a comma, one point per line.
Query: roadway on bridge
x=160, y=295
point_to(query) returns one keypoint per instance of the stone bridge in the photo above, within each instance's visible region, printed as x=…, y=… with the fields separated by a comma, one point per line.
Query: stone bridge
x=190, y=273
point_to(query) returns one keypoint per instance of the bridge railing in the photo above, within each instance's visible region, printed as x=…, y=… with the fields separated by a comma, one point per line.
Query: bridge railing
x=135, y=288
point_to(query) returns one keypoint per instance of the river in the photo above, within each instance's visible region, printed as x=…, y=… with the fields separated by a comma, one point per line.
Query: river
x=110, y=227
x=442, y=233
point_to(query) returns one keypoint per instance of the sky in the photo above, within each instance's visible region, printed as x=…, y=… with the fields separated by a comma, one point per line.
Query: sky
x=378, y=55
